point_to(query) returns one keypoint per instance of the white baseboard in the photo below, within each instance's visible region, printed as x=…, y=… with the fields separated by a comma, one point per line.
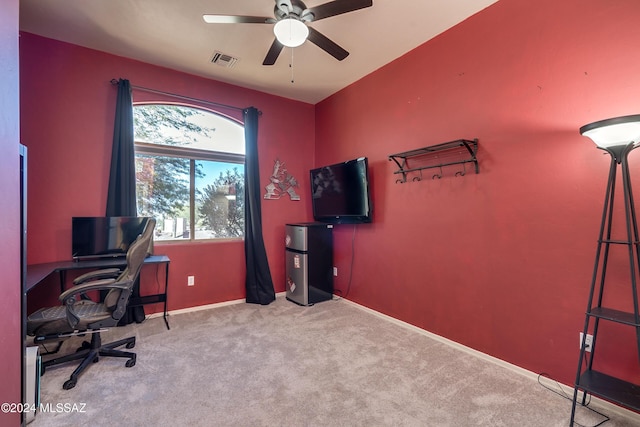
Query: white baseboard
x=596, y=402
x=206, y=307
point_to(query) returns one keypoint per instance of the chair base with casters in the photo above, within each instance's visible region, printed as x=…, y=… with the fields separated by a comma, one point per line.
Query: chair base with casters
x=51, y=324
x=78, y=316
x=90, y=352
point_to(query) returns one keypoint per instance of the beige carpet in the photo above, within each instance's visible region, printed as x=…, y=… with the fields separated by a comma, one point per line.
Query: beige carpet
x=331, y=364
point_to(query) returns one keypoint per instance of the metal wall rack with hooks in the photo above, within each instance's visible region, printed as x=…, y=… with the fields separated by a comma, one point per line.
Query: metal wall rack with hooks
x=460, y=151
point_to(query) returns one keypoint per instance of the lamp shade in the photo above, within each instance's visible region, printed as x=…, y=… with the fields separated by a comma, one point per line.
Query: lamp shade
x=291, y=32
x=618, y=131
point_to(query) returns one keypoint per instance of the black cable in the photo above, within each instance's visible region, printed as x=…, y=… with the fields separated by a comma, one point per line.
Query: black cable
x=158, y=279
x=47, y=351
x=353, y=255
x=353, y=240
x=561, y=393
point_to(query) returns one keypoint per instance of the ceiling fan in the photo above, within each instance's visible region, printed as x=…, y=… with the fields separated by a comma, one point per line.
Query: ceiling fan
x=290, y=24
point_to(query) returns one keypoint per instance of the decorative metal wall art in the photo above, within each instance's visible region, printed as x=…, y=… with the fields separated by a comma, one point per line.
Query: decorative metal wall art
x=281, y=183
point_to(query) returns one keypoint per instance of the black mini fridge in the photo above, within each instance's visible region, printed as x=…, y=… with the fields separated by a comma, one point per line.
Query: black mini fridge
x=309, y=262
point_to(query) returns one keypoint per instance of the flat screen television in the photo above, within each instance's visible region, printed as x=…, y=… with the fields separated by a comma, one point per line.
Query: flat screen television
x=99, y=237
x=340, y=193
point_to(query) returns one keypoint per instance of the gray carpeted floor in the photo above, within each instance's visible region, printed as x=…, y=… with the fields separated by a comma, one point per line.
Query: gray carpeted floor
x=331, y=364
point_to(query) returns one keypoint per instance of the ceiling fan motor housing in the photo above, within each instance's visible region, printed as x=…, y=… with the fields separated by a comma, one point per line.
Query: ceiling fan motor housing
x=282, y=10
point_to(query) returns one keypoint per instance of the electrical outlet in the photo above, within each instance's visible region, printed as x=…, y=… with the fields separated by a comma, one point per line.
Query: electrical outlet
x=335, y=271
x=587, y=343
x=191, y=280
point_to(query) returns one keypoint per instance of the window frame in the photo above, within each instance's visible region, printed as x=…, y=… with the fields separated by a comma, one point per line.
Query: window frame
x=193, y=155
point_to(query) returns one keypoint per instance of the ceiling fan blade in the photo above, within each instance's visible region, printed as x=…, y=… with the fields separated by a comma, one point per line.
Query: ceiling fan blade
x=336, y=7
x=274, y=52
x=327, y=45
x=232, y=19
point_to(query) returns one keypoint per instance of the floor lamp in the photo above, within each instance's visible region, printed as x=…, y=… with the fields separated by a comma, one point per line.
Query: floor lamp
x=617, y=136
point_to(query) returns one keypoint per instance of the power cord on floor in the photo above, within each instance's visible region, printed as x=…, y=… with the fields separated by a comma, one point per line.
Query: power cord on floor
x=560, y=392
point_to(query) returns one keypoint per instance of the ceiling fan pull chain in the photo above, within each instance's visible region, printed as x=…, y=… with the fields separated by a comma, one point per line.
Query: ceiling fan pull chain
x=291, y=49
x=291, y=66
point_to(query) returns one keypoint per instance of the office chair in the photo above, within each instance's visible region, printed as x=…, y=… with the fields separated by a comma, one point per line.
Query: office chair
x=80, y=316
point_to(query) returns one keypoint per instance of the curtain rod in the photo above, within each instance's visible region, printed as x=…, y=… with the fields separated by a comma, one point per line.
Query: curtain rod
x=186, y=98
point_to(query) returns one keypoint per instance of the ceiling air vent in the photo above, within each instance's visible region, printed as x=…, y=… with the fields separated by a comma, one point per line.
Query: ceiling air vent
x=223, y=59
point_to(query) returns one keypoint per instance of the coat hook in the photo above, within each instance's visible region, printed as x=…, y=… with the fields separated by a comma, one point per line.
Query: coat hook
x=463, y=171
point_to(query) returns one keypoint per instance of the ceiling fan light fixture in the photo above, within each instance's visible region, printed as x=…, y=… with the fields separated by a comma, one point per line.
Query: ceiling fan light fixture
x=291, y=32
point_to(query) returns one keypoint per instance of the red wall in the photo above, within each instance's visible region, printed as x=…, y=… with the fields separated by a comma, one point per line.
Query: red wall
x=500, y=261
x=10, y=340
x=68, y=107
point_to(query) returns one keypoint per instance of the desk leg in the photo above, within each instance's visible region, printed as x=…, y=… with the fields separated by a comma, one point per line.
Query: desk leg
x=166, y=288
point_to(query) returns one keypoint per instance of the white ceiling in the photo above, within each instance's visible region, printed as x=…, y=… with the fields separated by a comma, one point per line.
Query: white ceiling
x=172, y=34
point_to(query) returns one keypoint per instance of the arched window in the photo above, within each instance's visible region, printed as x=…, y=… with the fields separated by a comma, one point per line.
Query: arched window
x=189, y=172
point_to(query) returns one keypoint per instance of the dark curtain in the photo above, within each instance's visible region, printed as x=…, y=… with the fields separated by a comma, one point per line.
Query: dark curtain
x=259, y=284
x=121, y=197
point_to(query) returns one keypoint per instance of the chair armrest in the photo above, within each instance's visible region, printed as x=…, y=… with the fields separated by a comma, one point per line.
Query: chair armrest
x=69, y=300
x=96, y=285
x=107, y=273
